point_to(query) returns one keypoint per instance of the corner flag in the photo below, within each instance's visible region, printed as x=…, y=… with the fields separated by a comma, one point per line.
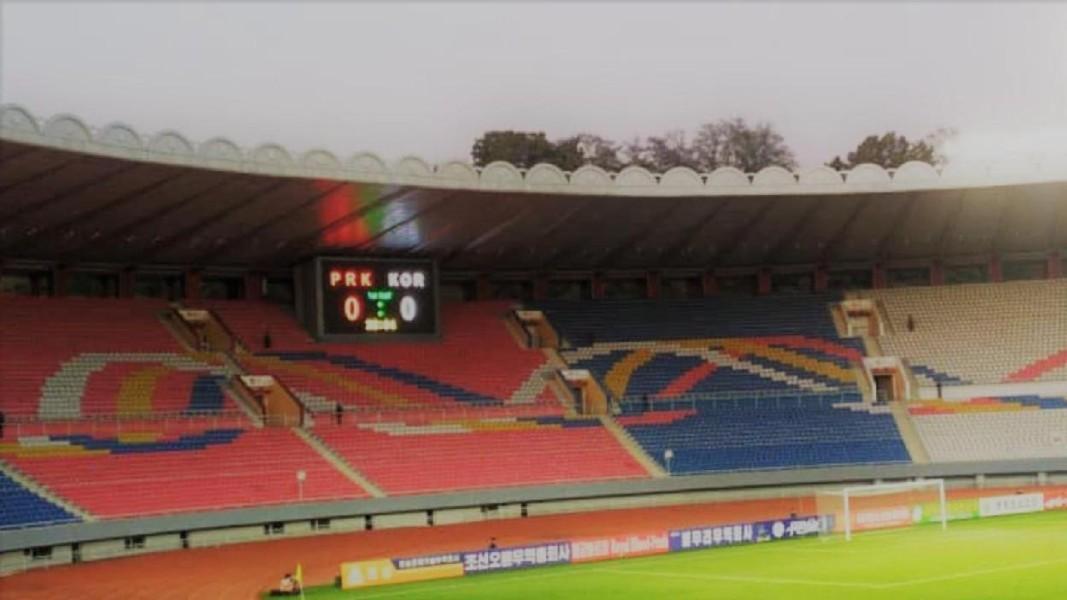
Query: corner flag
x=298, y=576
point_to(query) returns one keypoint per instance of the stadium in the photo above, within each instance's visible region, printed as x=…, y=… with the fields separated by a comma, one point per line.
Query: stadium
x=221, y=363
x=507, y=300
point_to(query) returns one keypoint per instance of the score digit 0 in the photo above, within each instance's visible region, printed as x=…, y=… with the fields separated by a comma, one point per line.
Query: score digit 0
x=353, y=309
x=409, y=309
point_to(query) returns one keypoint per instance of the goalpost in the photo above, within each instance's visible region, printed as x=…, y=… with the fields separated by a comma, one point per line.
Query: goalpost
x=882, y=505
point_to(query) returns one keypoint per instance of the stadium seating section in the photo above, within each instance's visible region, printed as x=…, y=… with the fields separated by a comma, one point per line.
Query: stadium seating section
x=729, y=344
x=74, y=357
x=144, y=471
x=407, y=454
x=1012, y=427
x=727, y=384
x=767, y=433
x=476, y=362
x=979, y=333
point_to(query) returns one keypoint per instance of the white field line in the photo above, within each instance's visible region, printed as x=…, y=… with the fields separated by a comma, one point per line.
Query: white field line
x=746, y=578
x=977, y=573
x=465, y=582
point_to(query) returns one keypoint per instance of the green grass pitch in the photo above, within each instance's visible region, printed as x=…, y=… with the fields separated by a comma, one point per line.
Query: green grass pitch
x=1016, y=557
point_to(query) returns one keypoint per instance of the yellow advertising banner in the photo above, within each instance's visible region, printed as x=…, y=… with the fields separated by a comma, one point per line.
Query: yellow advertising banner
x=370, y=573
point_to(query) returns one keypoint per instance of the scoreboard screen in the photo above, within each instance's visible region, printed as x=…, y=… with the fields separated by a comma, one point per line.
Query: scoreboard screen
x=373, y=298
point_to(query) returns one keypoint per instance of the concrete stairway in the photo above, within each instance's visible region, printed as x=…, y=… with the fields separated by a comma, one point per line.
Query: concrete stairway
x=339, y=463
x=627, y=441
x=909, y=434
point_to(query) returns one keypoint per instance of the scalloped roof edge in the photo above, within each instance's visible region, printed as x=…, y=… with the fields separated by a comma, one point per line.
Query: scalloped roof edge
x=118, y=140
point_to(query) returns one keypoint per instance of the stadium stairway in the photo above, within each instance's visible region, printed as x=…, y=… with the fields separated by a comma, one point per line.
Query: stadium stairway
x=628, y=442
x=912, y=440
x=342, y=465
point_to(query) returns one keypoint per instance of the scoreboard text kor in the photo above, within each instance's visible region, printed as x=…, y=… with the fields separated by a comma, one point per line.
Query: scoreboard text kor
x=377, y=297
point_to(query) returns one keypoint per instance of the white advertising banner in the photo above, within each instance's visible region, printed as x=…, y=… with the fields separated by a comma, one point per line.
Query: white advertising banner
x=1015, y=504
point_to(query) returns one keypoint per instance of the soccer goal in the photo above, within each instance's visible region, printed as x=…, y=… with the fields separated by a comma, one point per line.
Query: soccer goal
x=881, y=506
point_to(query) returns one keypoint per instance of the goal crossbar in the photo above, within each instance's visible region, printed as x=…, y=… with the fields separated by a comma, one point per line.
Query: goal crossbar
x=905, y=505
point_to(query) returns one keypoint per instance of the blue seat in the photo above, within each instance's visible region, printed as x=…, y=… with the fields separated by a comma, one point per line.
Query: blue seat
x=767, y=433
x=20, y=507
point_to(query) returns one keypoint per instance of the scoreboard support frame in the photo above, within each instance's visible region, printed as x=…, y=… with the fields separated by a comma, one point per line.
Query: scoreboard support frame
x=309, y=278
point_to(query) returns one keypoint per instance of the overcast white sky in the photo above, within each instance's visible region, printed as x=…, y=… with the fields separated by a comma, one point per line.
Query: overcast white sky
x=426, y=79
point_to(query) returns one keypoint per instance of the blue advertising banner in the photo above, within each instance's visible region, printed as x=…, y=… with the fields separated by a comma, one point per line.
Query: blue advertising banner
x=519, y=557
x=745, y=533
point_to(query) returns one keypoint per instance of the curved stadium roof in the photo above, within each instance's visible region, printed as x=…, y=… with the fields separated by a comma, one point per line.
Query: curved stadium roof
x=70, y=193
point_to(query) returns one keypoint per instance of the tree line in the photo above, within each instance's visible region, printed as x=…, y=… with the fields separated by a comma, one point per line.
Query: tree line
x=724, y=143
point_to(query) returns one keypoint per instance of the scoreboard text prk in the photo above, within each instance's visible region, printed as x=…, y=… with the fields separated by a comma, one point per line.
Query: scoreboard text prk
x=378, y=298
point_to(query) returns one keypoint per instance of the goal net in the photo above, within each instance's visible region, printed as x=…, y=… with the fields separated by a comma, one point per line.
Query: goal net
x=883, y=505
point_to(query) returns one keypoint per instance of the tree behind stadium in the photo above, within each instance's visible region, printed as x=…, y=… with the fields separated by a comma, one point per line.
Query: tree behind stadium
x=725, y=143
x=890, y=150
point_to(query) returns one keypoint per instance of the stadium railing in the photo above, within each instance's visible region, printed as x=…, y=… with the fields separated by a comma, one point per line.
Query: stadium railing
x=780, y=399
x=21, y=425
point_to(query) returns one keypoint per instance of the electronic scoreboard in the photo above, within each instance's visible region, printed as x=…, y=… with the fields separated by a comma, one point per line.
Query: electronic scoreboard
x=365, y=298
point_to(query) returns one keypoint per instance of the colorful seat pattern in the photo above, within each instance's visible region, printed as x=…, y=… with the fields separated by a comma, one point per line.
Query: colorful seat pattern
x=676, y=347
x=476, y=362
x=72, y=357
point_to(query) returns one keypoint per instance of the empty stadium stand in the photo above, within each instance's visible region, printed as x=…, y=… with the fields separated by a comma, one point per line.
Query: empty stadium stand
x=751, y=433
x=410, y=453
x=71, y=357
x=1011, y=427
x=672, y=347
x=979, y=333
x=476, y=362
x=727, y=384
x=142, y=471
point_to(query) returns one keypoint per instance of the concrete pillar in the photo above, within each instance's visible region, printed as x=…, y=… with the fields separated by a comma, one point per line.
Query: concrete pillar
x=60, y=276
x=821, y=280
x=710, y=284
x=763, y=282
x=192, y=284
x=597, y=286
x=1055, y=266
x=996, y=275
x=540, y=287
x=937, y=273
x=254, y=286
x=481, y=287
x=126, y=283
x=878, y=276
x=653, y=280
